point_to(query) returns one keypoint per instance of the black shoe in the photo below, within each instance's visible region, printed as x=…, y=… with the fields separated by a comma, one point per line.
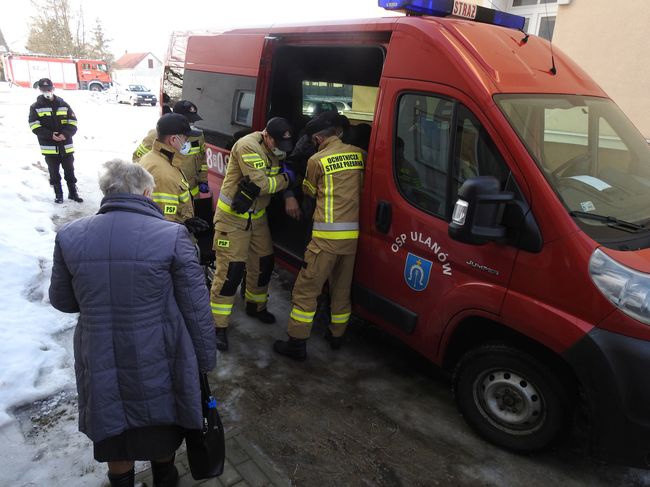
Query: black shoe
x=122, y=480
x=164, y=474
x=58, y=193
x=222, y=339
x=335, y=342
x=264, y=316
x=294, y=348
x=73, y=194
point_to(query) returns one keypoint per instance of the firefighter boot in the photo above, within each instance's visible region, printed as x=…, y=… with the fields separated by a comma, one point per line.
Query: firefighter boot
x=164, y=474
x=58, y=193
x=221, y=335
x=294, y=348
x=335, y=342
x=126, y=479
x=73, y=195
x=264, y=316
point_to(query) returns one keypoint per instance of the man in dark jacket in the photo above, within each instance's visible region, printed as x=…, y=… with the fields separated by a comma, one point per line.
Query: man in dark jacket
x=145, y=329
x=54, y=123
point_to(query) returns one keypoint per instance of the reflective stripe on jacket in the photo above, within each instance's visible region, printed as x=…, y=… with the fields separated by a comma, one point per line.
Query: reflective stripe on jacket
x=193, y=165
x=250, y=157
x=171, y=192
x=49, y=116
x=335, y=178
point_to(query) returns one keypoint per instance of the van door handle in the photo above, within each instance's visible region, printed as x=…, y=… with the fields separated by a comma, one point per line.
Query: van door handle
x=383, y=216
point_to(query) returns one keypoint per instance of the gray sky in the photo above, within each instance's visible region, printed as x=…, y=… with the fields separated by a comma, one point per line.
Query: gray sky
x=145, y=25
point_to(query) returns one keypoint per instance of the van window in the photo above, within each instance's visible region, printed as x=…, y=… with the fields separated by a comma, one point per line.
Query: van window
x=243, y=112
x=594, y=158
x=356, y=102
x=422, y=150
x=475, y=153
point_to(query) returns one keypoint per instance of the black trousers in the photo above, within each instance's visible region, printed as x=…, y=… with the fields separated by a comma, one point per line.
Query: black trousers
x=54, y=162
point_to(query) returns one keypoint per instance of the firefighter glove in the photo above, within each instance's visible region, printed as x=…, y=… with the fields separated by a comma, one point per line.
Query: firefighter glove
x=245, y=196
x=204, y=188
x=196, y=225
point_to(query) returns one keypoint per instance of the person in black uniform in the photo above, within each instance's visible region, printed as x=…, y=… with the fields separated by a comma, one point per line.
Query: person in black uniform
x=54, y=123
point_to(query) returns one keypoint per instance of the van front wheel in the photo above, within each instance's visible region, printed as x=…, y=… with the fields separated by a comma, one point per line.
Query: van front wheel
x=510, y=398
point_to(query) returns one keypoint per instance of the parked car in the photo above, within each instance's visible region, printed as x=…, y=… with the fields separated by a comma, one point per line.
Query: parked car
x=136, y=95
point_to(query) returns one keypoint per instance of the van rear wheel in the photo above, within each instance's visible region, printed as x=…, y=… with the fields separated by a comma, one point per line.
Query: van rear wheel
x=510, y=398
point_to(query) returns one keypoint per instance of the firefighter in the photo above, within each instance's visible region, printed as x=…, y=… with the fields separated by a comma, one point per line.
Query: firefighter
x=54, y=123
x=193, y=164
x=172, y=191
x=242, y=240
x=334, y=178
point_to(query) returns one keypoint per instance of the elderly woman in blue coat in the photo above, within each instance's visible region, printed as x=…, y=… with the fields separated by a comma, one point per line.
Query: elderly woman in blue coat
x=145, y=329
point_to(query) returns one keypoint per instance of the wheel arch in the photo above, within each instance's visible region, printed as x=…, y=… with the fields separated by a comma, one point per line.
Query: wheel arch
x=474, y=331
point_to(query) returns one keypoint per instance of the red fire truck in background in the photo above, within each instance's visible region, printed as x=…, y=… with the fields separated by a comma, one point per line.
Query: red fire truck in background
x=66, y=73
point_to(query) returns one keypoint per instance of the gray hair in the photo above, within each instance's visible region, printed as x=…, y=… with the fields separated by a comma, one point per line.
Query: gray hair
x=125, y=177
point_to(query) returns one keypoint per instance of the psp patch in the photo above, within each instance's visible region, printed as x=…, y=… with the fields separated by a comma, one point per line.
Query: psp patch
x=417, y=271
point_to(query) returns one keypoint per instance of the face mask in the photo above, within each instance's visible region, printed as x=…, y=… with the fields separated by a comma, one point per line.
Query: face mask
x=280, y=154
x=185, y=148
x=48, y=95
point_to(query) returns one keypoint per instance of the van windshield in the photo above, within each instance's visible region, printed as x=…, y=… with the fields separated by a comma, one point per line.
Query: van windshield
x=591, y=154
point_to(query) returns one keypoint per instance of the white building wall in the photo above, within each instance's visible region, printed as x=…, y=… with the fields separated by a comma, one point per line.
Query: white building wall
x=142, y=74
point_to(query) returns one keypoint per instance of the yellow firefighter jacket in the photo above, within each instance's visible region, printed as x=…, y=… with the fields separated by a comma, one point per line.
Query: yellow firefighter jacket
x=171, y=192
x=193, y=165
x=250, y=157
x=335, y=178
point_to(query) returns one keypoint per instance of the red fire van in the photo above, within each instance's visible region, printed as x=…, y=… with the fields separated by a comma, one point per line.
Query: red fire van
x=505, y=220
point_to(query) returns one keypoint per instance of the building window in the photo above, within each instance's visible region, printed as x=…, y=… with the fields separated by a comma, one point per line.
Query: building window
x=150, y=61
x=539, y=14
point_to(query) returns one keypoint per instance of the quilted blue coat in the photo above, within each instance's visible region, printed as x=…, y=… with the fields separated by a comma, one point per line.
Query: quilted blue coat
x=145, y=329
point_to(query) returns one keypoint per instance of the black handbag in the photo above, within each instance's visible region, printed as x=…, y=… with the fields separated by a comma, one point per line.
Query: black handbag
x=206, y=448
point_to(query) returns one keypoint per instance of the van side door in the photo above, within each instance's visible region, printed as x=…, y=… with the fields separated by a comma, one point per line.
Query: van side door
x=416, y=278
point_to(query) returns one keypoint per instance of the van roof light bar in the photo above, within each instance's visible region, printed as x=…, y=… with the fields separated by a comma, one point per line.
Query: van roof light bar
x=456, y=8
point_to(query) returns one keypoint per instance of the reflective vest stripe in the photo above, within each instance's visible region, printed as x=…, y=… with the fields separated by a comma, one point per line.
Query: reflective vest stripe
x=341, y=318
x=274, y=171
x=184, y=197
x=44, y=112
x=35, y=125
x=69, y=122
x=221, y=309
x=302, y=316
x=336, y=226
x=164, y=198
x=194, y=150
x=224, y=204
x=62, y=111
x=69, y=148
x=272, y=185
x=310, y=187
x=336, y=235
x=204, y=168
x=329, y=198
x=256, y=298
x=49, y=149
x=194, y=191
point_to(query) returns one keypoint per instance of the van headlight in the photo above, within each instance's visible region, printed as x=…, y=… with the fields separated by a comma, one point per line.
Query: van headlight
x=628, y=289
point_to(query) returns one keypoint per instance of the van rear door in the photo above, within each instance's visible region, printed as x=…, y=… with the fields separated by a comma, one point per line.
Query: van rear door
x=427, y=144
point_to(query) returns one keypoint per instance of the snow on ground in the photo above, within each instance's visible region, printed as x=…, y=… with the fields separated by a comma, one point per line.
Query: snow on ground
x=37, y=385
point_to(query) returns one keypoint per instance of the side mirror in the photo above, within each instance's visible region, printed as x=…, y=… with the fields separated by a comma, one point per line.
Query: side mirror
x=477, y=214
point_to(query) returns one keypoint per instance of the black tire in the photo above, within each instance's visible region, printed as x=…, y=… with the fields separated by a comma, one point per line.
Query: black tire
x=511, y=399
x=95, y=87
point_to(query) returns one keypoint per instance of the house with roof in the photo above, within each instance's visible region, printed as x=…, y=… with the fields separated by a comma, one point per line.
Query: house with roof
x=142, y=68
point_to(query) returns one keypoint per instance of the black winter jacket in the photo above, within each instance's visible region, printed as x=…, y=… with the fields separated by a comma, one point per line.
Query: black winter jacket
x=49, y=116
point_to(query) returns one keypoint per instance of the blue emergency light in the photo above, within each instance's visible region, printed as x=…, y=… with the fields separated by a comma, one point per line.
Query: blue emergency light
x=457, y=8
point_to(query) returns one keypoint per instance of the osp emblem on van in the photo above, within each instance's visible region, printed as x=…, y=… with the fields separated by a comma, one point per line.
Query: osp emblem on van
x=416, y=272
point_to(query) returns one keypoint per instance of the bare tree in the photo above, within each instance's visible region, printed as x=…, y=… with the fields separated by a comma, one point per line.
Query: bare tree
x=50, y=28
x=99, y=46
